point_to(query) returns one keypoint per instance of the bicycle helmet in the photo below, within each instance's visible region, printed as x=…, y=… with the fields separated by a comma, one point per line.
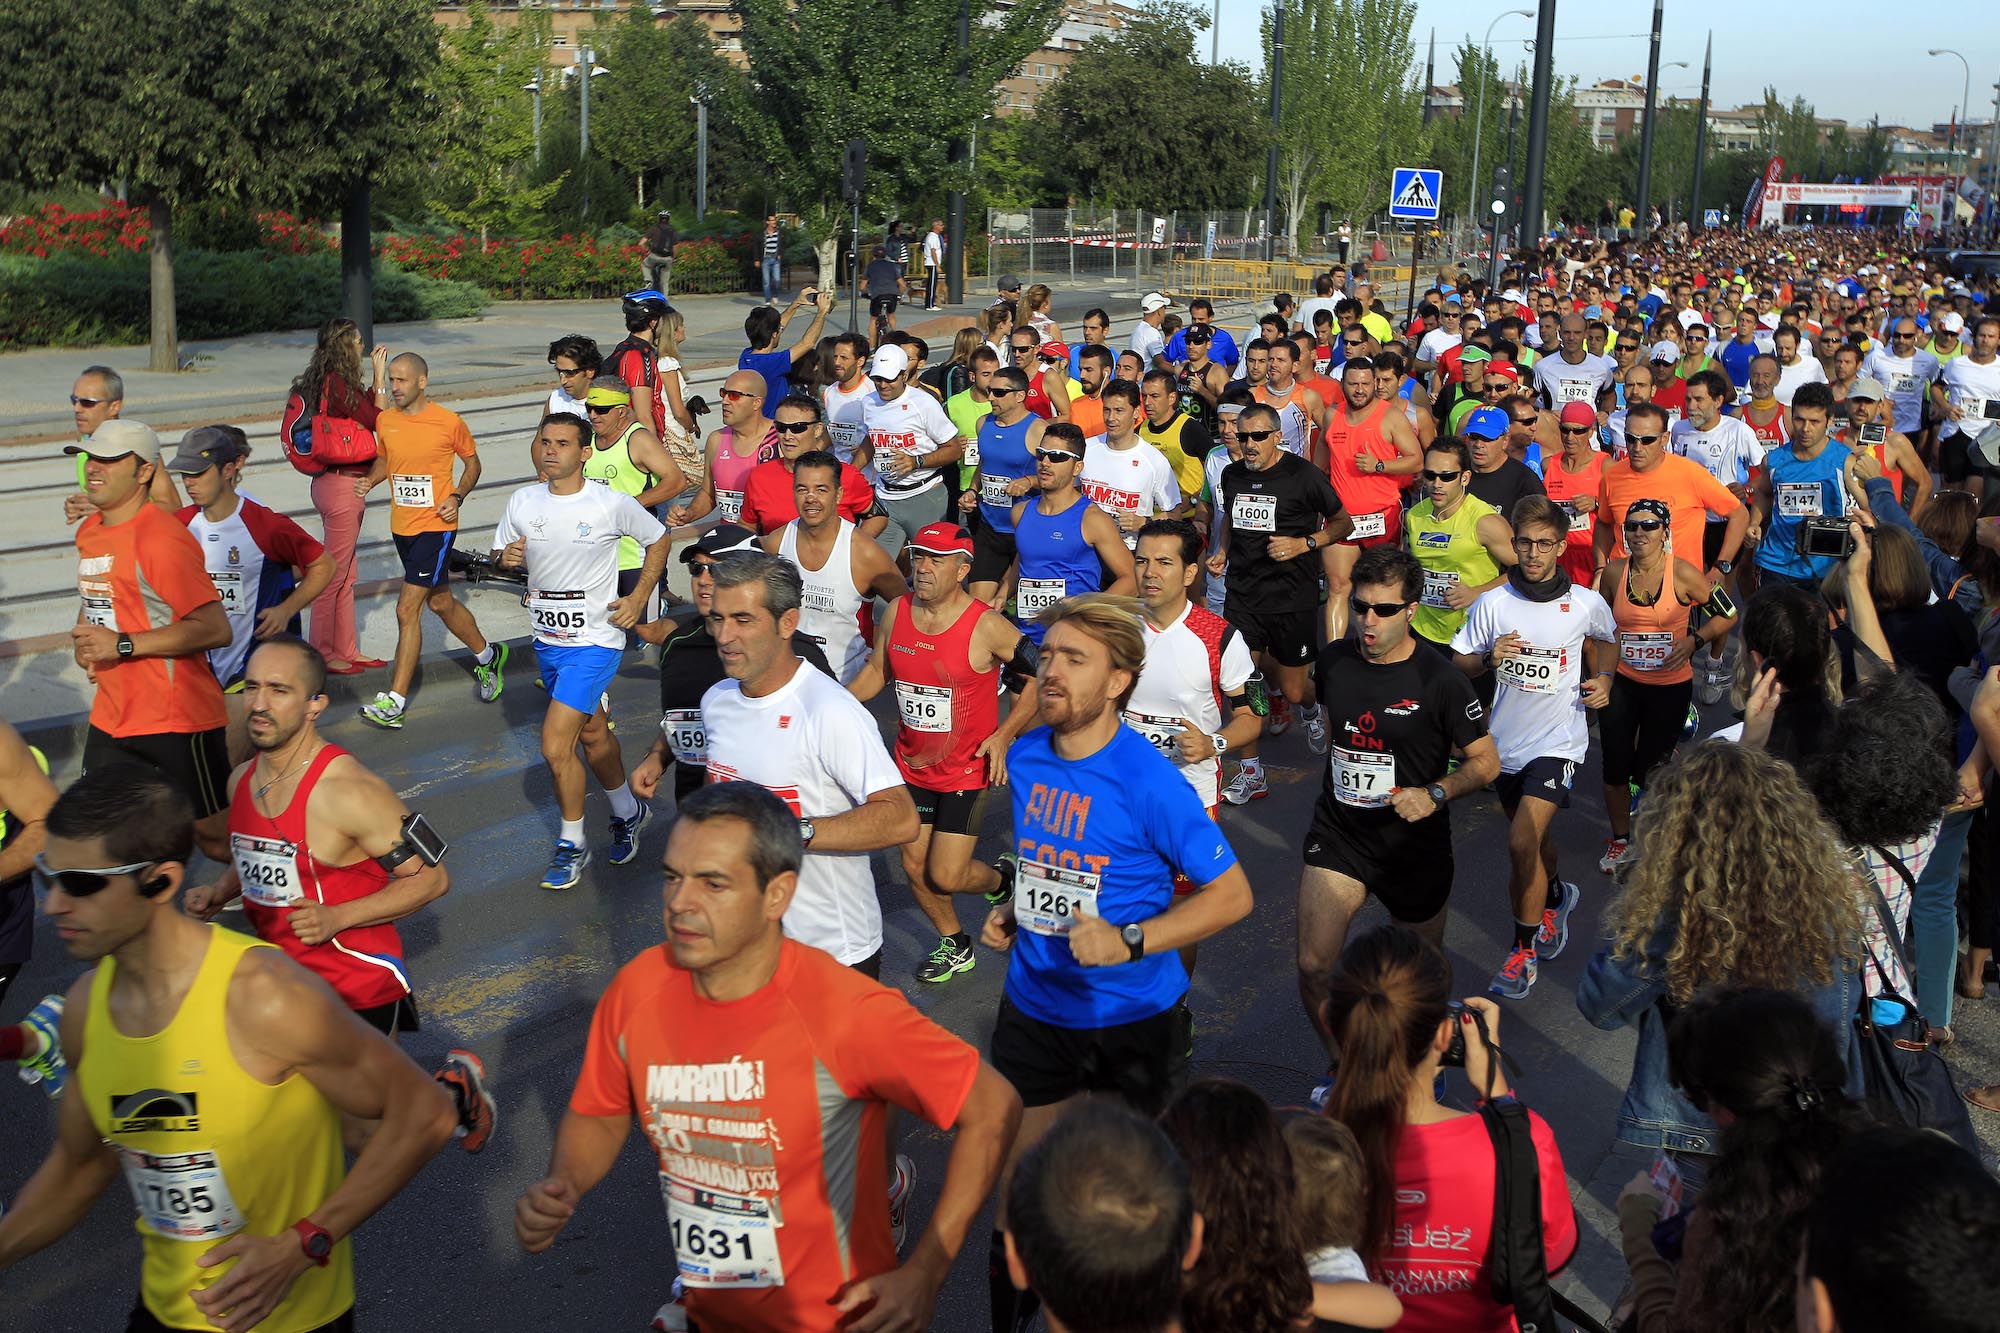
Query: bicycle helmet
x=645, y=304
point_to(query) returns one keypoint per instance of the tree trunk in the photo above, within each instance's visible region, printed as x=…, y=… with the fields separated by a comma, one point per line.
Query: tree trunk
x=828, y=253
x=642, y=189
x=166, y=357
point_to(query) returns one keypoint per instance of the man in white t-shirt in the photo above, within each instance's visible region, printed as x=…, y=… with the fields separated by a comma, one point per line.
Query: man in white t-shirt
x=1146, y=339
x=1550, y=644
x=565, y=532
x=1573, y=375
x=777, y=723
x=1122, y=474
x=1906, y=373
x=911, y=440
x=933, y=263
x=1967, y=396
x=846, y=401
x=1793, y=369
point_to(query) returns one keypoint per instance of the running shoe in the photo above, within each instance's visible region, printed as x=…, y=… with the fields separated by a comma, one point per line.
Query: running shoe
x=1712, y=681
x=625, y=837
x=383, y=712
x=1248, y=785
x=673, y=1316
x=566, y=866
x=948, y=958
x=1615, y=850
x=900, y=1190
x=1554, y=934
x=1689, y=727
x=1005, y=867
x=1316, y=730
x=492, y=676
x=1280, y=720
x=46, y=1065
x=1516, y=976
x=465, y=1074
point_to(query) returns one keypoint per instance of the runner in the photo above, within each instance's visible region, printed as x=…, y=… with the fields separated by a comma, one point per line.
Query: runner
x=729, y=453
x=764, y=328
x=1793, y=369
x=1572, y=479
x=149, y=614
x=576, y=361
x=620, y=452
x=1905, y=373
x=1867, y=431
x=419, y=440
x=846, y=401
x=1462, y=543
x=1369, y=448
x=254, y=1173
x=911, y=439
x=1393, y=382
x=1276, y=511
x=1690, y=492
x=1125, y=477
x=1299, y=409
x=1200, y=380
x=1799, y=481
x=1209, y=512
x=839, y=573
x=1761, y=411
x=1066, y=544
x=1967, y=397
x=731, y=1044
x=941, y=652
x=1550, y=645
x=1381, y=826
x=1086, y=390
x=768, y=499
x=1499, y=478
x=1008, y=438
x=1048, y=386
x=1573, y=375
x=98, y=396
x=1095, y=1001
x=25, y=797
x=565, y=533
x=1182, y=439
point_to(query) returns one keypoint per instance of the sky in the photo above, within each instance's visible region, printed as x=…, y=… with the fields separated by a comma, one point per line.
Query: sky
x=1843, y=56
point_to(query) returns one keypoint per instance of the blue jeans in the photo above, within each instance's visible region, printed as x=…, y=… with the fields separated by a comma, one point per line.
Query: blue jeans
x=771, y=278
x=1934, y=920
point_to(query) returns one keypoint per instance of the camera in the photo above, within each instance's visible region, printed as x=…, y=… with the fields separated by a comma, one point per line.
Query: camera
x=479, y=567
x=1825, y=537
x=1875, y=432
x=1454, y=1054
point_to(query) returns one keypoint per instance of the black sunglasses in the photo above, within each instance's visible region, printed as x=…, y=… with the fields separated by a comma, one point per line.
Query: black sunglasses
x=1057, y=456
x=1526, y=421
x=997, y=392
x=1380, y=610
x=1255, y=436
x=601, y=409
x=75, y=401
x=1352, y=342
x=1577, y=430
x=793, y=427
x=1643, y=439
x=702, y=568
x=79, y=882
x=1452, y=475
x=1643, y=525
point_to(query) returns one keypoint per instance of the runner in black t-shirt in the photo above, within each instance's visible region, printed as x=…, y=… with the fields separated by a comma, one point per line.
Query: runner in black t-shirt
x=1275, y=512
x=1499, y=483
x=1397, y=711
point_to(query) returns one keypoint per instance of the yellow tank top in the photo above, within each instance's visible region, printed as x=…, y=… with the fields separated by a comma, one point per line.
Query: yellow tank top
x=208, y=1150
x=1167, y=439
x=612, y=465
x=1450, y=551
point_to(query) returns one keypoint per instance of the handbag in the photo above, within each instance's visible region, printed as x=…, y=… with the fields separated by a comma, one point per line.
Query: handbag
x=1902, y=1074
x=340, y=441
x=1517, y=1262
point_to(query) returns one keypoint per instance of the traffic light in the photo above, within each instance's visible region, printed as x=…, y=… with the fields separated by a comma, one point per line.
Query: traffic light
x=1503, y=195
x=854, y=171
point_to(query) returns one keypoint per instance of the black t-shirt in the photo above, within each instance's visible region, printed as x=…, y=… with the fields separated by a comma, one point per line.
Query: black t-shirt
x=689, y=664
x=17, y=908
x=881, y=277
x=1506, y=484
x=1415, y=712
x=1291, y=498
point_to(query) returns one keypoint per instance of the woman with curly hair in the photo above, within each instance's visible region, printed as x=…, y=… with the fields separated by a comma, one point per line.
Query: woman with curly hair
x=1771, y=1074
x=1740, y=880
x=332, y=384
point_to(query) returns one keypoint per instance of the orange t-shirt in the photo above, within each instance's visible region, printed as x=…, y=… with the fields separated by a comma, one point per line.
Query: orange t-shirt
x=766, y=1115
x=147, y=573
x=1087, y=415
x=1690, y=492
x=419, y=448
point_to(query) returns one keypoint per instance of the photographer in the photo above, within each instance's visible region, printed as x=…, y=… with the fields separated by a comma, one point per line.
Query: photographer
x=1799, y=482
x=1431, y=1169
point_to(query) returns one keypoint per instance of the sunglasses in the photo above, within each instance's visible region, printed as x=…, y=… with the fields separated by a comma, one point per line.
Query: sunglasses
x=1379, y=610
x=75, y=401
x=1644, y=439
x=81, y=883
x=793, y=427
x=1526, y=421
x=1577, y=430
x=1057, y=456
x=1255, y=436
x=1643, y=525
x=561, y=374
x=701, y=569
x=600, y=409
x=1352, y=342
x=737, y=395
x=997, y=392
x=1452, y=475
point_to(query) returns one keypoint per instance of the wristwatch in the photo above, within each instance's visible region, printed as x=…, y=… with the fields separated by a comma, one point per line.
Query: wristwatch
x=1726, y=566
x=315, y=1240
x=1436, y=792
x=806, y=831
x=1134, y=936
x=1220, y=742
x=124, y=645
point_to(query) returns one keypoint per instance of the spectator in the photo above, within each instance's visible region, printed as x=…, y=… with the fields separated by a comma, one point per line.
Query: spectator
x=1771, y=1074
x=1945, y=534
x=1035, y=304
x=1927, y=639
x=1431, y=1169
x=656, y=270
x=770, y=259
x=952, y=377
x=1739, y=880
x=1101, y=1224
x=1331, y=1183
x=764, y=328
x=1788, y=675
x=1251, y=1274
x=331, y=385
x=679, y=433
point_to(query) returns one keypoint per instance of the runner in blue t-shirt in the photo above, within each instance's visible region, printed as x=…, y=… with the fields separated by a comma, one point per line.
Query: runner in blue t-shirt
x=1095, y=997
x=1004, y=459
x=764, y=327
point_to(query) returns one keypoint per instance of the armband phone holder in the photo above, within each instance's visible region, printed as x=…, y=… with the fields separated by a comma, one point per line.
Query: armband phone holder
x=420, y=840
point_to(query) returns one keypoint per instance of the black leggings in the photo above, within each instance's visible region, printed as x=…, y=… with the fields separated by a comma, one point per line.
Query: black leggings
x=1640, y=727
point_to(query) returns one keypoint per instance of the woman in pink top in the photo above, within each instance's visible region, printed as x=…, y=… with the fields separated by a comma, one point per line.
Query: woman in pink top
x=729, y=454
x=334, y=377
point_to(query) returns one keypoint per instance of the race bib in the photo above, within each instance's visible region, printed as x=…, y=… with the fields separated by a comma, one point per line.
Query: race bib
x=924, y=707
x=181, y=1196
x=229, y=587
x=98, y=609
x=722, y=1240
x=1254, y=513
x=268, y=868
x=1575, y=391
x=1645, y=652
x=1799, y=499
x=1363, y=778
x=1048, y=900
x=1579, y=520
x=557, y=617
x=1369, y=525
x=1034, y=596
x=1159, y=730
x=729, y=505
x=1533, y=670
x=1906, y=384
x=1437, y=585
x=686, y=736
x=412, y=492
x=993, y=491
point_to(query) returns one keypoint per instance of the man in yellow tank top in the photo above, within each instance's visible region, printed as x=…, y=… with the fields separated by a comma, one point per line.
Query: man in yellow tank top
x=213, y=1073
x=627, y=456
x=1462, y=542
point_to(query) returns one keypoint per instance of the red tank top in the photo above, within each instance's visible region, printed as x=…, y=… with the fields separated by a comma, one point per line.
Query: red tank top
x=1894, y=476
x=1346, y=442
x=945, y=708
x=1038, y=399
x=1772, y=433
x=363, y=965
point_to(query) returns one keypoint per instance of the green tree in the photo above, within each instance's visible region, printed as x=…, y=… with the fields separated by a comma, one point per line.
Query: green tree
x=1792, y=132
x=641, y=118
x=1452, y=137
x=1138, y=119
x=879, y=70
x=251, y=100
x=484, y=161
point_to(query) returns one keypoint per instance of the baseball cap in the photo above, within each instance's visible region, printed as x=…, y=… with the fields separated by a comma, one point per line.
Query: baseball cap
x=1474, y=354
x=1008, y=283
x=1664, y=351
x=118, y=437
x=1503, y=368
x=1866, y=386
x=1152, y=301
x=942, y=539
x=1488, y=423
x=1052, y=348
x=888, y=362
x=1578, y=414
x=1768, y=320
x=720, y=540
x=1687, y=317
x=205, y=447
x=1951, y=322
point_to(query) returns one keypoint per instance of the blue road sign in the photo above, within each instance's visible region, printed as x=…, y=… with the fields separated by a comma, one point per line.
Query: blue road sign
x=1711, y=217
x=1414, y=192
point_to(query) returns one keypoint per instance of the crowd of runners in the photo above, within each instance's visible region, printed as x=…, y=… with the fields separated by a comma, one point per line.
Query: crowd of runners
x=1097, y=583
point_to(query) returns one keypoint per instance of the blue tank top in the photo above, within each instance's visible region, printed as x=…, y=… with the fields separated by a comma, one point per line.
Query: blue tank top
x=1003, y=457
x=1800, y=489
x=1056, y=561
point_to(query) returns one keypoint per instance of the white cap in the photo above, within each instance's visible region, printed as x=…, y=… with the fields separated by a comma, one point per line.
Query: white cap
x=1687, y=317
x=1514, y=294
x=1664, y=351
x=1152, y=301
x=116, y=438
x=1951, y=321
x=1768, y=320
x=889, y=362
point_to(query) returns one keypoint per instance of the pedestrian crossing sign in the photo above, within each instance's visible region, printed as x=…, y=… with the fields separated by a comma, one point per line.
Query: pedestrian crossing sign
x=1711, y=217
x=1414, y=193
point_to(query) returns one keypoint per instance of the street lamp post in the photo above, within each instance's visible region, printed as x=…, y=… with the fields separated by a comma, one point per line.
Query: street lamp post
x=587, y=69
x=1964, y=96
x=536, y=89
x=1479, y=117
x=700, y=100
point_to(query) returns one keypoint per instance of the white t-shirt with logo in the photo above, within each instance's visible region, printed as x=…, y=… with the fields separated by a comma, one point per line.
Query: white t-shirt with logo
x=815, y=746
x=847, y=418
x=1560, y=382
x=1729, y=450
x=1905, y=379
x=572, y=553
x=1436, y=343
x=1538, y=704
x=915, y=423
x=1968, y=384
x=1175, y=687
x=1138, y=480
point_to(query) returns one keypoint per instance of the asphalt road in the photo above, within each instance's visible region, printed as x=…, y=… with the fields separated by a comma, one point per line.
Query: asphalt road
x=513, y=972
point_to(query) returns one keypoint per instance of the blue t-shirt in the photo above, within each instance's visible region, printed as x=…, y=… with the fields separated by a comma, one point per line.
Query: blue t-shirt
x=1801, y=489
x=776, y=368
x=1101, y=823
x=1222, y=349
x=1003, y=457
x=1056, y=562
x=1736, y=358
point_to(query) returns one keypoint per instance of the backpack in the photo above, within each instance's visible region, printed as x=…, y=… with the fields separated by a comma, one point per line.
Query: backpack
x=295, y=435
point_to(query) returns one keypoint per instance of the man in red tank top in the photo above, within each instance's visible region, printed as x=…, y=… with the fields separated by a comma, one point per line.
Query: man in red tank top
x=940, y=649
x=1370, y=448
x=323, y=857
